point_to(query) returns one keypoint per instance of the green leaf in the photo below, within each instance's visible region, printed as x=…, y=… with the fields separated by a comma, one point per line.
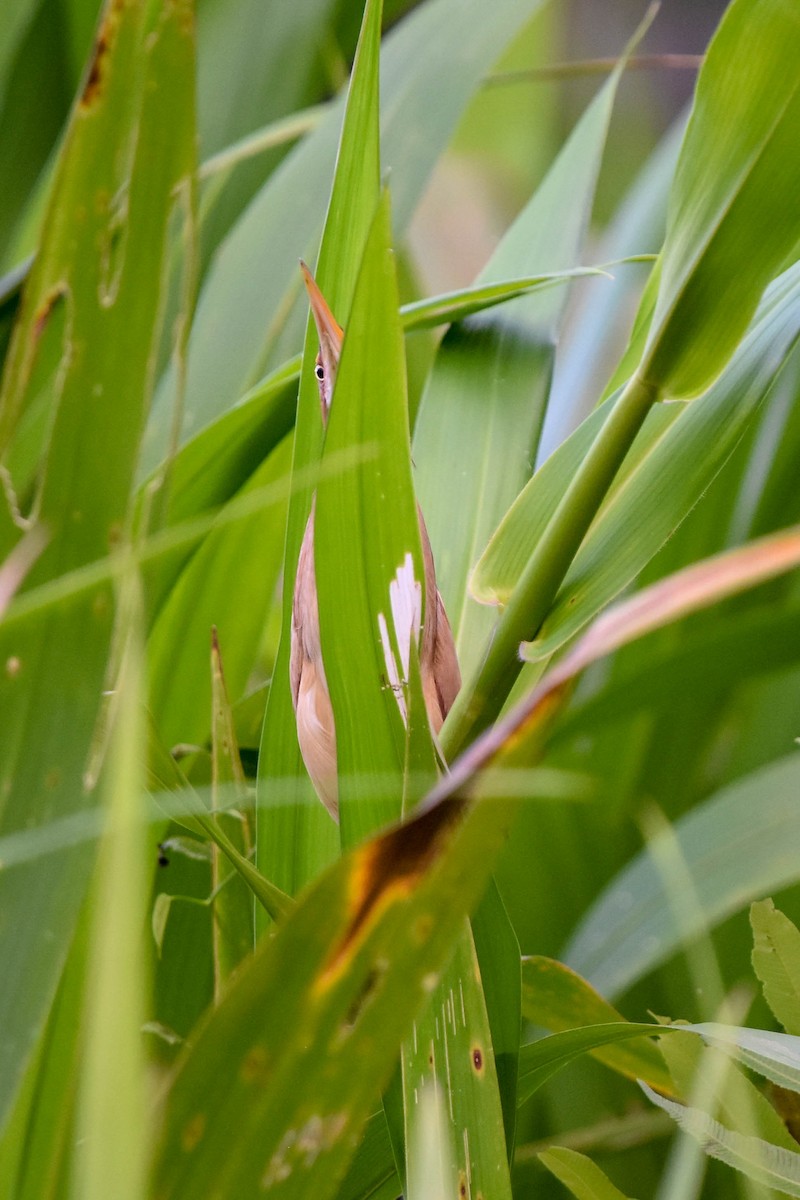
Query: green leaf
x=742, y=843
x=760, y=1160
x=577, y=1172
x=38, y=1144
x=253, y=284
x=457, y=306
x=741, y=646
x=705, y=1076
x=372, y=1174
x=450, y=1052
x=234, y=927
x=673, y=461
x=296, y=839
x=776, y=1056
x=539, y=1061
x=202, y=596
x=111, y=1155
x=366, y=533
x=474, y=439
x=342, y=980
x=732, y=220
x=102, y=257
x=500, y=567
x=557, y=998
x=587, y=351
x=776, y=962
x=186, y=807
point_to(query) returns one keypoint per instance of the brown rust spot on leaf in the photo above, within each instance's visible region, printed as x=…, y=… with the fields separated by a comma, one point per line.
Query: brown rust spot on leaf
x=103, y=43
x=388, y=869
x=255, y=1065
x=476, y=1058
x=365, y=993
x=46, y=309
x=192, y=1132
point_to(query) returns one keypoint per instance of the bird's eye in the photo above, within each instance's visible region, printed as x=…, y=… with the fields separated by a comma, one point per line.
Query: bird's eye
x=319, y=372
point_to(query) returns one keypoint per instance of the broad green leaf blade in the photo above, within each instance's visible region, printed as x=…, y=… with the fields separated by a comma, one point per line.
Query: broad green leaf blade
x=775, y=1056
x=741, y=646
x=38, y=1144
x=111, y=1156
x=430, y=1155
x=742, y=843
x=475, y=439
x=732, y=219
x=705, y=1077
x=674, y=460
x=234, y=927
x=253, y=282
x=776, y=962
x=450, y=1049
x=213, y=465
x=501, y=565
x=557, y=998
x=595, y=334
x=342, y=980
x=295, y=841
x=773, y=1165
x=499, y=960
x=577, y=1172
x=367, y=536
x=538, y=1061
x=255, y=64
x=372, y=1174
x=106, y=261
x=203, y=595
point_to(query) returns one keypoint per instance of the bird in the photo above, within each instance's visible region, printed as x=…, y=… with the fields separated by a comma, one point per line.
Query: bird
x=438, y=661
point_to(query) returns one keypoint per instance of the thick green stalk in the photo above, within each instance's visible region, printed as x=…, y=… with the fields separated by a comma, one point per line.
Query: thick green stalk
x=482, y=696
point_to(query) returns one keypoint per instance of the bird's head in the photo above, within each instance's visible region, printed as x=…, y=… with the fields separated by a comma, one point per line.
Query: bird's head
x=330, y=335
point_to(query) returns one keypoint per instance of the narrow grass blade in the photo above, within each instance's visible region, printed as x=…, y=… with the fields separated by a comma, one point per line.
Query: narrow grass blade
x=774, y=1166
x=739, y=845
x=539, y=1061
x=295, y=841
x=366, y=530
x=112, y=1154
x=450, y=1050
x=234, y=927
x=342, y=979
x=488, y=434
x=731, y=222
x=557, y=998
x=578, y=1173
x=676, y=455
x=99, y=275
x=251, y=303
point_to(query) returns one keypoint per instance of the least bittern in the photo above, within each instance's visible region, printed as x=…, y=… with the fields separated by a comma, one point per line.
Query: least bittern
x=439, y=671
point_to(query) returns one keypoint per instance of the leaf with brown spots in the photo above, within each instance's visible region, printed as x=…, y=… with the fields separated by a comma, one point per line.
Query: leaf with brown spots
x=79, y=370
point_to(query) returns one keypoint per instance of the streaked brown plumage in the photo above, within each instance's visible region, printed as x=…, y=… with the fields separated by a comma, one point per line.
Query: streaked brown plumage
x=441, y=678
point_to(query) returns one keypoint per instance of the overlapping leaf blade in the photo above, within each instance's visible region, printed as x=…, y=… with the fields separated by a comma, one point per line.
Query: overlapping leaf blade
x=96, y=417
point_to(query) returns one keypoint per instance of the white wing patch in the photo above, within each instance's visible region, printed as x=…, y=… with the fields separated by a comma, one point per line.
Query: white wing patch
x=405, y=600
